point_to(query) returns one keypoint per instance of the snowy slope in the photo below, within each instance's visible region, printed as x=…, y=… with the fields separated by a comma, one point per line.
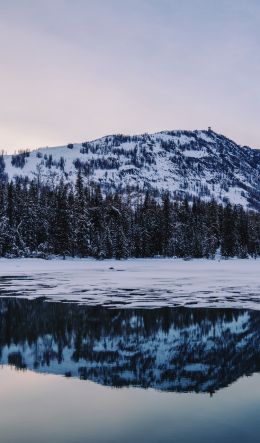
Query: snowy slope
x=198, y=163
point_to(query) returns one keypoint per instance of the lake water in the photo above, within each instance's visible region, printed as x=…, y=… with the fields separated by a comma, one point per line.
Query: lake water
x=77, y=374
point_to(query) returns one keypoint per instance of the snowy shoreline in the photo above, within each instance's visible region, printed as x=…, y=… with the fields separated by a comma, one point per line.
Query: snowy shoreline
x=135, y=283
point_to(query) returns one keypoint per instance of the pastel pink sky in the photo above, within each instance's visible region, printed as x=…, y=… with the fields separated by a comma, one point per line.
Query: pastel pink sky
x=77, y=70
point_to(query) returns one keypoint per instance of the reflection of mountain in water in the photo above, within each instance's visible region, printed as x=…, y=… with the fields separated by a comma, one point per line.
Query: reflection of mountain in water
x=173, y=349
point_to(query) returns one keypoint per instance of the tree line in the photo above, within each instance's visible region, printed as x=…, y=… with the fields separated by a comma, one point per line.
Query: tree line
x=39, y=219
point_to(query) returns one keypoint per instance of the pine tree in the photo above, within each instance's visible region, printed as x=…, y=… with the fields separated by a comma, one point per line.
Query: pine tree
x=40, y=219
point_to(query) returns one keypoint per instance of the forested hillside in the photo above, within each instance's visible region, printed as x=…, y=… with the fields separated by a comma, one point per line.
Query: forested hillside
x=38, y=219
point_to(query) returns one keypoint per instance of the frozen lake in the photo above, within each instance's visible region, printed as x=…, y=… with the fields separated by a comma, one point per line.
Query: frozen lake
x=136, y=283
x=139, y=351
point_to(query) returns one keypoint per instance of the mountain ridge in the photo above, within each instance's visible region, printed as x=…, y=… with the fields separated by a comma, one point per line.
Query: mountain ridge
x=188, y=164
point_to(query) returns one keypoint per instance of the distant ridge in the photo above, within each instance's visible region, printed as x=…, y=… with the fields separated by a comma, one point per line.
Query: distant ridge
x=189, y=164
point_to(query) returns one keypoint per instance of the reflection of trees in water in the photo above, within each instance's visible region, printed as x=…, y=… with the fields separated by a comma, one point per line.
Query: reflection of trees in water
x=170, y=349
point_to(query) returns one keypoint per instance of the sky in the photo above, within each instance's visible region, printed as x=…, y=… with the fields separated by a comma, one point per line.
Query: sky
x=72, y=71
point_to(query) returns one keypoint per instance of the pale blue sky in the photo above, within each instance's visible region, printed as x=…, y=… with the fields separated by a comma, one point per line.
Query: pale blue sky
x=73, y=70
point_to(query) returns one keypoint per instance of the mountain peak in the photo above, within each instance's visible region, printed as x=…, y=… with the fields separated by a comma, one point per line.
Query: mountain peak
x=200, y=163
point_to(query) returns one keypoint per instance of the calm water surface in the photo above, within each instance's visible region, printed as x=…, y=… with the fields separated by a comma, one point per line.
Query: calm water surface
x=90, y=374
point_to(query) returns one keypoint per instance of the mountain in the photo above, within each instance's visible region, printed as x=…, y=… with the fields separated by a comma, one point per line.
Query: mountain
x=171, y=349
x=185, y=163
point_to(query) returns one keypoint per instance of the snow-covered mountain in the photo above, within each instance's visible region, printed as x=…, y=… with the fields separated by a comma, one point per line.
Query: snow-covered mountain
x=192, y=163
